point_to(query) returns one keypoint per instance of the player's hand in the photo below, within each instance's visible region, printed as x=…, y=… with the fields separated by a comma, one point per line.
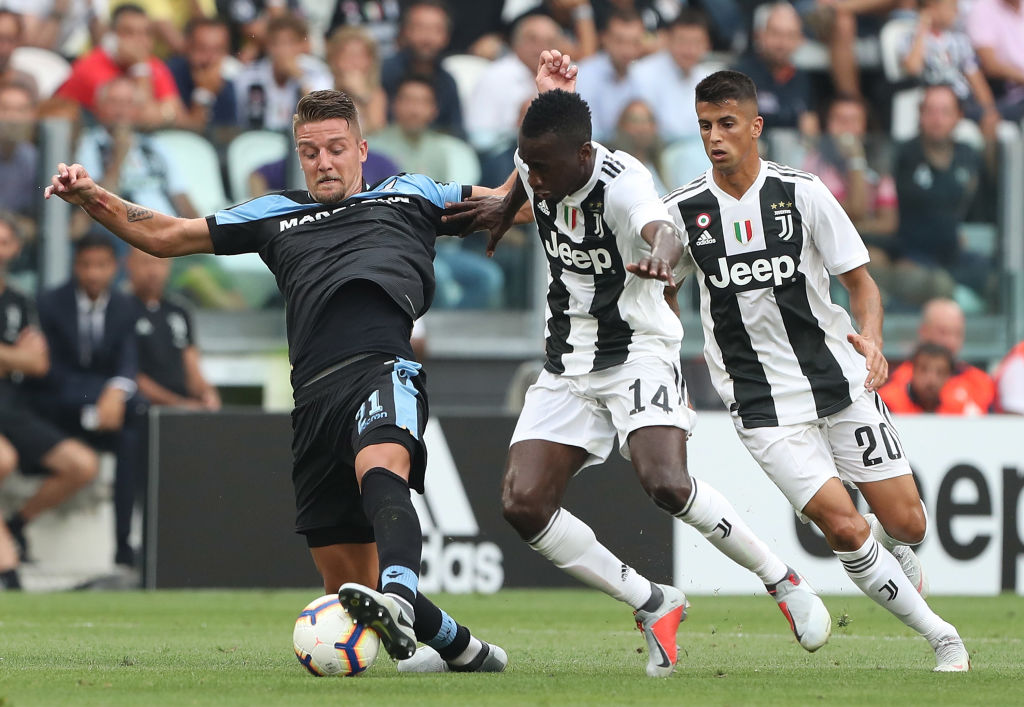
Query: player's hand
x=72, y=184
x=653, y=268
x=210, y=399
x=479, y=213
x=874, y=361
x=555, y=70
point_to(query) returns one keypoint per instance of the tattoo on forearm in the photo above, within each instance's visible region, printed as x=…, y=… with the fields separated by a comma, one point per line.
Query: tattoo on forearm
x=136, y=212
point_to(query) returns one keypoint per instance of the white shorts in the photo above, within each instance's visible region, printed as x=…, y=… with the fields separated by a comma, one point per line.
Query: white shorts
x=589, y=410
x=856, y=445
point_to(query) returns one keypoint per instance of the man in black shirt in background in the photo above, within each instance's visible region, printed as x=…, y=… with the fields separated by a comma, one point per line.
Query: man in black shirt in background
x=354, y=264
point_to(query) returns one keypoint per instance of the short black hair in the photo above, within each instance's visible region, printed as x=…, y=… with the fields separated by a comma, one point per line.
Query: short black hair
x=691, y=17
x=95, y=239
x=127, y=8
x=421, y=79
x=929, y=348
x=558, y=112
x=726, y=85
x=438, y=4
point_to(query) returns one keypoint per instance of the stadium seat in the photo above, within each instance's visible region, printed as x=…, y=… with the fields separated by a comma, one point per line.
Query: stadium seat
x=197, y=158
x=48, y=68
x=247, y=153
x=465, y=69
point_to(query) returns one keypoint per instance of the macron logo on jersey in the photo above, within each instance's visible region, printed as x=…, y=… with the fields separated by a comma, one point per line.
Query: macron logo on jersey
x=580, y=260
x=757, y=274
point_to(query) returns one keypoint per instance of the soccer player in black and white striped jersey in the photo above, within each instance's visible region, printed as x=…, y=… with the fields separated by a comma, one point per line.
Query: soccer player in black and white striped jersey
x=763, y=240
x=612, y=370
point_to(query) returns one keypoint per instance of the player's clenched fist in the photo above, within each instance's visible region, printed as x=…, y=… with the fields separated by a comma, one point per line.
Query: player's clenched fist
x=72, y=184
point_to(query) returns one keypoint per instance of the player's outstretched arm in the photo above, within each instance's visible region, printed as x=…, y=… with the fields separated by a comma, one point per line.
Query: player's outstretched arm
x=555, y=70
x=150, y=231
x=666, y=249
x=866, y=307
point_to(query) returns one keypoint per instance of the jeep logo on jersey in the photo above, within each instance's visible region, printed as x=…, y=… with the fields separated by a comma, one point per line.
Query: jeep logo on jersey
x=452, y=560
x=757, y=274
x=580, y=260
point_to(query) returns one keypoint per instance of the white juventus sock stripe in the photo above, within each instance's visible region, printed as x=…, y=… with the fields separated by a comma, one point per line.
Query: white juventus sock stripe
x=862, y=564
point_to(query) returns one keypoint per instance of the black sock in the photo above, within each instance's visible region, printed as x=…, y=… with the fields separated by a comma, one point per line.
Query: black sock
x=387, y=504
x=439, y=630
x=9, y=579
x=657, y=596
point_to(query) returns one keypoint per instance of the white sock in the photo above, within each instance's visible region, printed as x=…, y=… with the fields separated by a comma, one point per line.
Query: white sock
x=714, y=517
x=471, y=652
x=571, y=545
x=878, y=574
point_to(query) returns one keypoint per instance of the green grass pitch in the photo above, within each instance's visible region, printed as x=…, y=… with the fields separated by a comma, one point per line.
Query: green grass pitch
x=565, y=648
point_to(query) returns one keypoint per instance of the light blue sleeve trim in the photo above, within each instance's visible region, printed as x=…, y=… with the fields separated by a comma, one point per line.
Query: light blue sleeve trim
x=259, y=208
x=417, y=185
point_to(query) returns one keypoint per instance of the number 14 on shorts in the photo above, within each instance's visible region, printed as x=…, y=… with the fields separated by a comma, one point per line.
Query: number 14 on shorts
x=659, y=399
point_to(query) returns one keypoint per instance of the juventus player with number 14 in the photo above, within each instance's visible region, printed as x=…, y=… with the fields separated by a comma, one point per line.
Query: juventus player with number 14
x=612, y=369
x=787, y=362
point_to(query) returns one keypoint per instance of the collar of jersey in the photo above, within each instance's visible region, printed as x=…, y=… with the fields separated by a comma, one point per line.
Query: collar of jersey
x=762, y=174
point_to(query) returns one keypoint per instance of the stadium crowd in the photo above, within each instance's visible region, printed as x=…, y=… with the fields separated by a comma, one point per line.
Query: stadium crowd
x=441, y=87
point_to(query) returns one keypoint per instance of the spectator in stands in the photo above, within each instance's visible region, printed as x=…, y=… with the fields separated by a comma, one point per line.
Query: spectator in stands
x=122, y=158
x=636, y=132
x=208, y=95
x=68, y=27
x=94, y=361
x=41, y=448
x=969, y=388
x=866, y=192
x=126, y=51
x=479, y=30
x=605, y=80
x=837, y=23
x=655, y=15
x=380, y=19
x=666, y=80
x=422, y=39
x=352, y=59
x=268, y=89
x=248, y=20
x=936, y=179
x=465, y=280
x=169, y=372
x=784, y=96
x=19, y=157
x=9, y=559
x=1009, y=379
x=939, y=54
x=574, y=17
x=12, y=36
x=492, y=116
x=931, y=368
x=996, y=28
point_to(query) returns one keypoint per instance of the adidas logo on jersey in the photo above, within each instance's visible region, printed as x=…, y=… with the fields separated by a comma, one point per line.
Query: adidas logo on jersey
x=705, y=238
x=757, y=273
x=579, y=260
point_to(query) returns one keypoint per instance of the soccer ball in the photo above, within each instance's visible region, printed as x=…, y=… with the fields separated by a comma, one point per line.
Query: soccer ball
x=330, y=642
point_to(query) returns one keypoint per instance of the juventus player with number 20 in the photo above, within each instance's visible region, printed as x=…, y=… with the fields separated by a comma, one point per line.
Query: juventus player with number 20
x=612, y=369
x=763, y=240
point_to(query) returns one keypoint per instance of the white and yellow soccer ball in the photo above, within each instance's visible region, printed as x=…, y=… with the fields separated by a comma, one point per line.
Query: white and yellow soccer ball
x=330, y=642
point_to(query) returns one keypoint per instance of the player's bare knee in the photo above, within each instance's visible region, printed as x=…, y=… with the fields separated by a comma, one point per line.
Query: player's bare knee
x=844, y=532
x=670, y=490
x=910, y=527
x=528, y=513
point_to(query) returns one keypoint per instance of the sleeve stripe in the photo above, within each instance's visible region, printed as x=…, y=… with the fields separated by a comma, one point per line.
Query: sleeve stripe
x=259, y=208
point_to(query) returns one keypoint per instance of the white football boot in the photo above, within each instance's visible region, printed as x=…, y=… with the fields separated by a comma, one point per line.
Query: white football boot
x=659, y=628
x=950, y=654
x=803, y=608
x=491, y=659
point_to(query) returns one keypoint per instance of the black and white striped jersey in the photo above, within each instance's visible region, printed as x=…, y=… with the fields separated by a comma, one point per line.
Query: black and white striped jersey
x=774, y=341
x=598, y=314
